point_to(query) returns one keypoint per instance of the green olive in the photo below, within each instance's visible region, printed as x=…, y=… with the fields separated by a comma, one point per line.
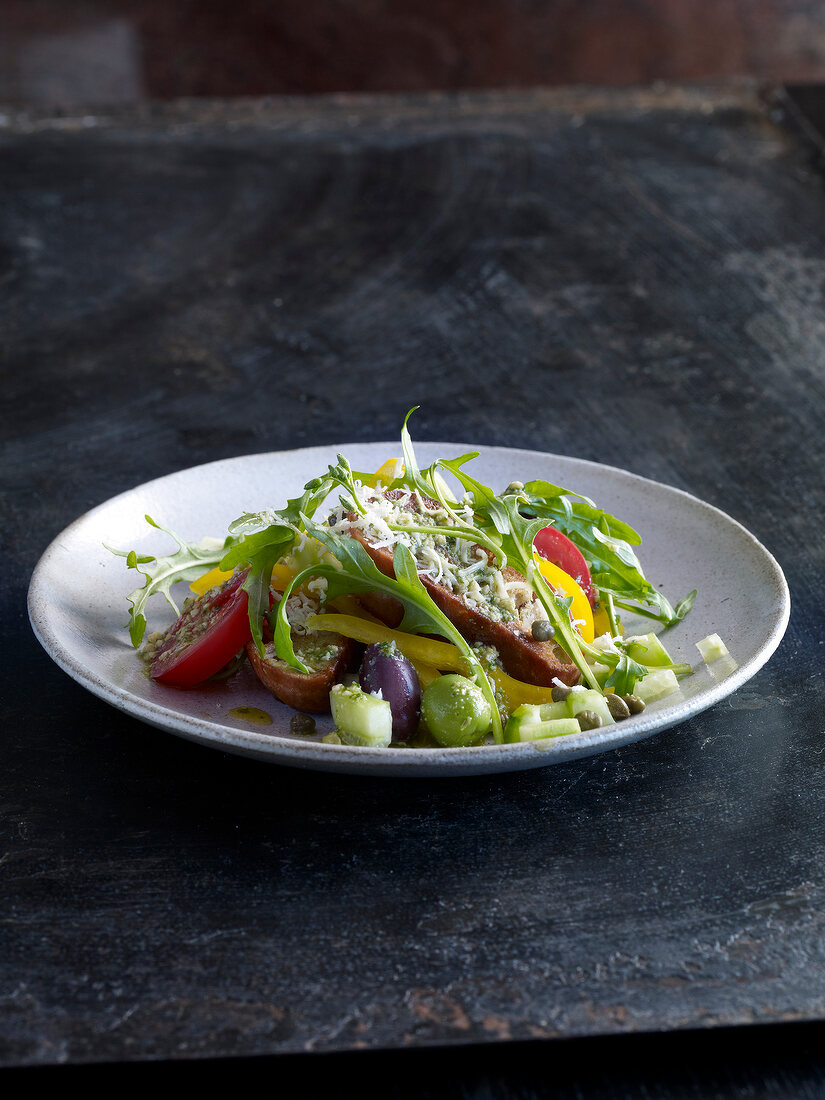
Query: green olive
x=456, y=711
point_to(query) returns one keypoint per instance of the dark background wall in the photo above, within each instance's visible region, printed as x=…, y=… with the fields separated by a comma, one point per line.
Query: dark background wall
x=109, y=51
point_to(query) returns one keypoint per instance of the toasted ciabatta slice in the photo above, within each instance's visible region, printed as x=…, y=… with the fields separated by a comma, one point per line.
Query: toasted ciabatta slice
x=327, y=655
x=521, y=655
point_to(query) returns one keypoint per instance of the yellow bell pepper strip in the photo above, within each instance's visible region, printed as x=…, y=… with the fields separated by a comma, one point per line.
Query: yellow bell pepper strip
x=281, y=576
x=386, y=473
x=439, y=655
x=515, y=692
x=428, y=656
x=426, y=673
x=601, y=622
x=209, y=580
x=349, y=605
x=580, y=609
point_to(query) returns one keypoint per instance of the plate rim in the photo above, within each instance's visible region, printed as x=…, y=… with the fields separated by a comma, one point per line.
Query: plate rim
x=401, y=761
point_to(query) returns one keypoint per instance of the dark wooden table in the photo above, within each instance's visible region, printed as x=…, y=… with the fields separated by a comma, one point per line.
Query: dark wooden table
x=634, y=278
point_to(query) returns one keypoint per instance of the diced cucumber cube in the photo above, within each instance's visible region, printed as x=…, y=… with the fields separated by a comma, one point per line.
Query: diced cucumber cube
x=530, y=715
x=538, y=731
x=589, y=699
x=527, y=714
x=656, y=685
x=361, y=719
x=551, y=711
x=648, y=650
x=712, y=648
x=541, y=712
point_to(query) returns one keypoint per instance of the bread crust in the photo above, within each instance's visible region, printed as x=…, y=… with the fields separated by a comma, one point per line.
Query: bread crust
x=299, y=690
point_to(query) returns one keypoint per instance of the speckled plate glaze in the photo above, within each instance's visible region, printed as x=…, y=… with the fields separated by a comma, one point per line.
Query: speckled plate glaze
x=77, y=603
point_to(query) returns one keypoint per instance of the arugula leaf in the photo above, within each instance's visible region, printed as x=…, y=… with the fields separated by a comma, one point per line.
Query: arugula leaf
x=579, y=512
x=622, y=679
x=545, y=491
x=259, y=552
x=342, y=475
x=189, y=562
x=261, y=549
x=315, y=493
x=684, y=605
x=606, y=543
x=412, y=474
x=429, y=484
x=485, y=501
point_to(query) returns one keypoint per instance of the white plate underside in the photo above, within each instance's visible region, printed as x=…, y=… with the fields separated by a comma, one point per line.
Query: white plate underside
x=77, y=603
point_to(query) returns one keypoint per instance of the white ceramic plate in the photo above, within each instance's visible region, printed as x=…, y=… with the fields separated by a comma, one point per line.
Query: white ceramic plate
x=77, y=603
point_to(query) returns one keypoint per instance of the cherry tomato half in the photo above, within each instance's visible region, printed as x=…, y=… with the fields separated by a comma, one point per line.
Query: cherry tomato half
x=557, y=548
x=206, y=636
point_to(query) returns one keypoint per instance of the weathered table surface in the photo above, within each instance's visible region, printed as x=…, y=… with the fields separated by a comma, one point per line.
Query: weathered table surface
x=635, y=278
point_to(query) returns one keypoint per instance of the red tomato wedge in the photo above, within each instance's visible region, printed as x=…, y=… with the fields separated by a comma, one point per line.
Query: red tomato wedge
x=206, y=636
x=557, y=548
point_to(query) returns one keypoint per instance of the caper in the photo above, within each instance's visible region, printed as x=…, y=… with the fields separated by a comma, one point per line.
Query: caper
x=617, y=707
x=589, y=720
x=302, y=723
x=515, y=487
x=543, y=630
x=634, y=704
x=559, y=692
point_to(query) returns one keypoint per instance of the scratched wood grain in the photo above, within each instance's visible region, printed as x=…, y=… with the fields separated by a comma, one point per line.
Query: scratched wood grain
x=634, y=278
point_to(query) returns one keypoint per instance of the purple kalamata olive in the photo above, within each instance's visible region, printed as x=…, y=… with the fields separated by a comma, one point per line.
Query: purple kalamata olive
x=385, y=669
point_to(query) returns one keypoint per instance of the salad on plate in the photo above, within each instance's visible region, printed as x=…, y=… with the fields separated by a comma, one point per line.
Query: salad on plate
x=421, y=607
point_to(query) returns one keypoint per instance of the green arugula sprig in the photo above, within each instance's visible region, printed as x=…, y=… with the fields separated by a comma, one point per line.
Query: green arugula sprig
x=258, y=554
x=190, y=561
x=342, y=475
x=427, y=483
x=258, y=551
x=606, y=543
x=246, y=547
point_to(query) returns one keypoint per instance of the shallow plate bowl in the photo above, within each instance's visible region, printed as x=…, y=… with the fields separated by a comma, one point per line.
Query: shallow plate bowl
x=78, y=609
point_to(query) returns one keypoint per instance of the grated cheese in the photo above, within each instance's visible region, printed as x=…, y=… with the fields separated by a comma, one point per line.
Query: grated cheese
x=459, y=565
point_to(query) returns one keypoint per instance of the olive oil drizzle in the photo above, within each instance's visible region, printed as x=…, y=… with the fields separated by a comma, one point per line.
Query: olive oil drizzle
x=251, y=714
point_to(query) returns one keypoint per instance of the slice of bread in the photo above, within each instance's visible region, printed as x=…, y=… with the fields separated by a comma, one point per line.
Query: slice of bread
x=327, y=655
